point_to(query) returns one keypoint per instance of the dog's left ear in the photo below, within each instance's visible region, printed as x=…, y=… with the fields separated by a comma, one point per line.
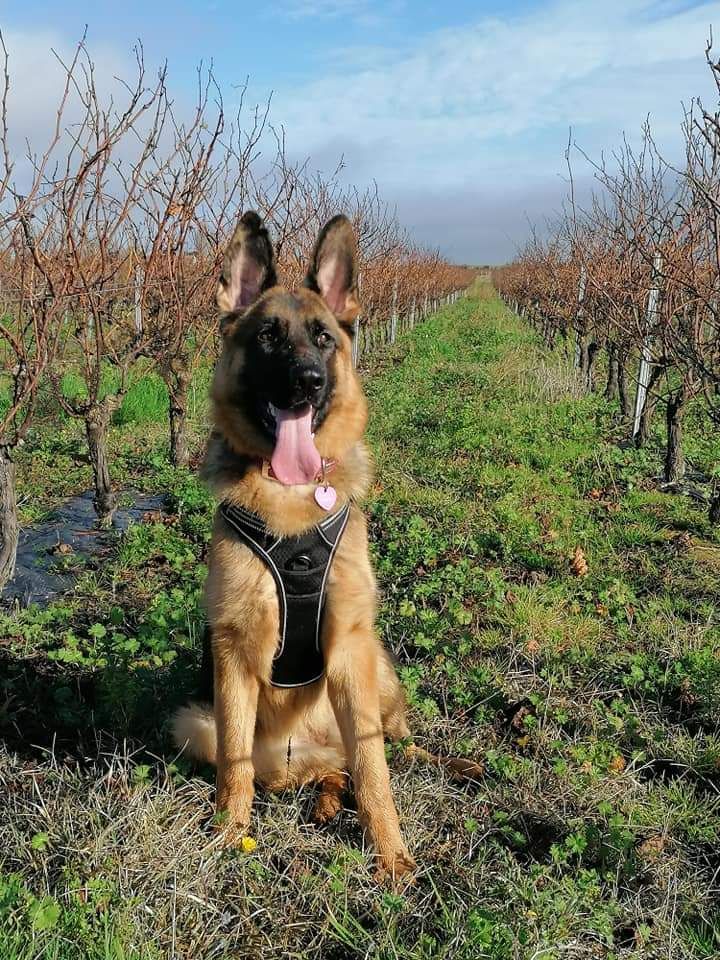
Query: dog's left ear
x=333, y=271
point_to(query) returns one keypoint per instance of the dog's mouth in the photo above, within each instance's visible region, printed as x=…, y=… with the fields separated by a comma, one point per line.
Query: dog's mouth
x=295, y=458
x=269, y=416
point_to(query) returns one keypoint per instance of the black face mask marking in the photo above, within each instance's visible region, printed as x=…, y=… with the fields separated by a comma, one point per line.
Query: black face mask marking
x=286, y=365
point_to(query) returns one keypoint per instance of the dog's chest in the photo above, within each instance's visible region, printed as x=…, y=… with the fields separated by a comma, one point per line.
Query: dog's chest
x=300, y=566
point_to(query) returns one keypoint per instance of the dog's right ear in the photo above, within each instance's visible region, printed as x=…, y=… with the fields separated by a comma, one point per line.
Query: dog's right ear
x=248, y=266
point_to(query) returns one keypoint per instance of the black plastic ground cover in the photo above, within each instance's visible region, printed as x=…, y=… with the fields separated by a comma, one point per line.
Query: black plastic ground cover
x=53, y=552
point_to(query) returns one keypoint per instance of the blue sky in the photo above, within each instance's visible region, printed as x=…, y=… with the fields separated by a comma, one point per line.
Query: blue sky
x=460, y=111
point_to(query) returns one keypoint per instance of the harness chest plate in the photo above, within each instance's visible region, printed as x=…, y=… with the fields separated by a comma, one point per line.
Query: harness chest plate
x=300, y=566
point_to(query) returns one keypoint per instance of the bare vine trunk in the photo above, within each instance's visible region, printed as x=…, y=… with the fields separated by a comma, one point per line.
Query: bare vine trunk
x=96, y=430
x=592, y=352
x=714, y=515
x=178, y=392
x=643, y=434
x=584, y=357
x=549, y=335
x=623, y=392
x=9, y=529
x=612, y=385
x=674, y=458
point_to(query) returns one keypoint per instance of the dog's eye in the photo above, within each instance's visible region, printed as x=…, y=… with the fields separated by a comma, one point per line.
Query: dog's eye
x=267, y=335
x=323, y=338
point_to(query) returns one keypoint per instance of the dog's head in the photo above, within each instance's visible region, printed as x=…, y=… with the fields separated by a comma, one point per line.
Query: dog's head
x=285, y=388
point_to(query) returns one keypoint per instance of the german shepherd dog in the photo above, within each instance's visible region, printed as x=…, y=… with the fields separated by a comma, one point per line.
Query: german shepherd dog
x=287, y=408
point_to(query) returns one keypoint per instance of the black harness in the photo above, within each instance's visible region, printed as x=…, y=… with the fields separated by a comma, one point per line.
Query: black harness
x=300, y=567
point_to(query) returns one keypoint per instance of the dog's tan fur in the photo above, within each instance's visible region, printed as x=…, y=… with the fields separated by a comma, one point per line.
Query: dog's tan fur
x=283, y=737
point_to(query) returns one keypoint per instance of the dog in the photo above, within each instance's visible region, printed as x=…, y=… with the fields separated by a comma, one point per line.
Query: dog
x=286, y=459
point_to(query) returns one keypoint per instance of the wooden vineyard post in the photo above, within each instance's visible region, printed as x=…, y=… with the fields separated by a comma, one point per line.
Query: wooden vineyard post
x=356, y=329
x=393, y=314
x=582, y=283
x=138, y=302
x=646, y=355
x=356, y=341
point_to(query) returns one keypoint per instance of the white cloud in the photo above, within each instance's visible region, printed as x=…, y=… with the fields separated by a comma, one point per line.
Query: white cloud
x=37, y=80
x=495, y=98
x=478, y=114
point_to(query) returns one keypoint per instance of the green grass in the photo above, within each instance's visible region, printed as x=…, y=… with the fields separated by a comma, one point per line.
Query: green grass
x=592, y=701
x=145, y=400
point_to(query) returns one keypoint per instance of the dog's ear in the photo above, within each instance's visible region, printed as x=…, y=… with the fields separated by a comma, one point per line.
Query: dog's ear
x=333, y=271
x=248, y=266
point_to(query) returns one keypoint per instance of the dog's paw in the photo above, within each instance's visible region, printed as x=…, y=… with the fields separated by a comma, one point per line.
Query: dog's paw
x=461, y=768
x=232, y=819
x=396, y=869
x=327, y=807
x=234, y=836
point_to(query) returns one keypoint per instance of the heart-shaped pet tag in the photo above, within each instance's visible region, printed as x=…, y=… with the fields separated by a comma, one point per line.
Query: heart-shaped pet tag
x=325, y=497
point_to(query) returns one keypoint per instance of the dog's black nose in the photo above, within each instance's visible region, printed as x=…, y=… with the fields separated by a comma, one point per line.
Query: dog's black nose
x=310, y=381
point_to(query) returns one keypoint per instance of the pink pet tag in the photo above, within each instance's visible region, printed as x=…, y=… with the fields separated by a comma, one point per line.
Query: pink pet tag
x=325, y=497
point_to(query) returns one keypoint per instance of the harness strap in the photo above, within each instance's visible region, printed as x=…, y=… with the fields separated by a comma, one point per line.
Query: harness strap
x=300, y=566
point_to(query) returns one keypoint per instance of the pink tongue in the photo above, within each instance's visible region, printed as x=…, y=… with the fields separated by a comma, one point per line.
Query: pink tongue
x=295, y=458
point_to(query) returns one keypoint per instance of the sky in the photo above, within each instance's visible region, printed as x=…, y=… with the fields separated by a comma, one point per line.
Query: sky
x=459, y=111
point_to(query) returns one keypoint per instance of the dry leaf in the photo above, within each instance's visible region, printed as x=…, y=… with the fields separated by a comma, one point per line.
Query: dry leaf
x=579, y=565
x=518, y=721
x=652, y=848
x=682, y=542
x=61, y=549
x=687, y=696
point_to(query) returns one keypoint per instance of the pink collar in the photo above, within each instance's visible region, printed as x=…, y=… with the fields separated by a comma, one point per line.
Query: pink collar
x=327, y=468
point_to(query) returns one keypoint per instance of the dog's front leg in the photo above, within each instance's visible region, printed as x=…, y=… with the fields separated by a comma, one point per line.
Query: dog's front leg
x=236, y=698
x=354, y=693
